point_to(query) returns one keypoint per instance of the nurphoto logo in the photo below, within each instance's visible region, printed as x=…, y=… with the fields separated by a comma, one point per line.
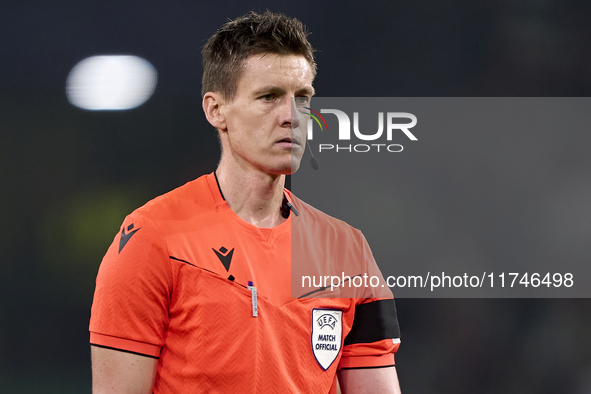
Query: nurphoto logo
x=394, y=124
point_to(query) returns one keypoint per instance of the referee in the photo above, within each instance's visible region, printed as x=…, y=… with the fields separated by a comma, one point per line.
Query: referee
x=193, y=295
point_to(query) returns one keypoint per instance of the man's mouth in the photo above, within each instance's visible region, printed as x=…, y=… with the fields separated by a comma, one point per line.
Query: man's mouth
x=289, y=142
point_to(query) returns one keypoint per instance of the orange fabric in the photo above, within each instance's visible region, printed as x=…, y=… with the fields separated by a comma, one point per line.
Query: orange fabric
x=367, y=361
x=126, y=344
x=163, y=285
x=360, y=355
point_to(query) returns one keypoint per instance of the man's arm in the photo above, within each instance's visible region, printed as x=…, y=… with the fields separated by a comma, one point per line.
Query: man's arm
x=116, y=372
x=369, y=380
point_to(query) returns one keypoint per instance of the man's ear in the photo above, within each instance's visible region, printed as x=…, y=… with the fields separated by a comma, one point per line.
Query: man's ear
x=212, y=104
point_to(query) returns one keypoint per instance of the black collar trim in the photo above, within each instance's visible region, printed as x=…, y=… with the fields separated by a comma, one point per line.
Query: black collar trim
x=219, y=188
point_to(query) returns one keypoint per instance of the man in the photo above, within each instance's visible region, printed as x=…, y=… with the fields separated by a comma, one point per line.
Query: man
x=194, y=293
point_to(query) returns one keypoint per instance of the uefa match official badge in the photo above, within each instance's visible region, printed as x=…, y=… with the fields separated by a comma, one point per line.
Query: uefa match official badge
x=327, y=334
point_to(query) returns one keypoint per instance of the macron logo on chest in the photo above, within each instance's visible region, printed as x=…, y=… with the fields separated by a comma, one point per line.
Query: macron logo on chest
x=225, y=256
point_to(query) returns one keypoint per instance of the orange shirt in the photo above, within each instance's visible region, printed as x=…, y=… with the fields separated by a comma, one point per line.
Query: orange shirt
x=174, y=285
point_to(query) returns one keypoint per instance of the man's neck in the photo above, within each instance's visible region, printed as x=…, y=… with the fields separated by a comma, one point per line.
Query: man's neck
x=254, y=196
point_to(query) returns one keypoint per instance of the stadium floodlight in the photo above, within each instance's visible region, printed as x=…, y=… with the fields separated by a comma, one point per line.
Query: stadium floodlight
x=111, y=82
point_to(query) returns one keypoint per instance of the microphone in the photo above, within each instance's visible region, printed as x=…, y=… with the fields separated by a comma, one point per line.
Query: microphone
x=286, y=207
x=313, y=161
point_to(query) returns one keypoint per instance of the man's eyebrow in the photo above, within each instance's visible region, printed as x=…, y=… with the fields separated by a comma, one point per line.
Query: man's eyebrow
x=268, y=89
x=307, y=91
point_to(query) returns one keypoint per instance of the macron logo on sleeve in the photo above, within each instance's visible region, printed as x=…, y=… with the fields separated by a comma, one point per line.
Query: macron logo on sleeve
x=125, y=237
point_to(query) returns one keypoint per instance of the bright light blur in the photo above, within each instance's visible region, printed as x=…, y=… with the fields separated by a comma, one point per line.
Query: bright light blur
x=111, y=82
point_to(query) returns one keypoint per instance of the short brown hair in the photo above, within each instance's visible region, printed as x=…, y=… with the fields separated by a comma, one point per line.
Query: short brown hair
x=251, y=34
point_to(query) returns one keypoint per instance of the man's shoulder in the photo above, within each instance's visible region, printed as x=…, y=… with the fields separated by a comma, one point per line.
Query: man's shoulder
x=193, y=198
x=315, y=219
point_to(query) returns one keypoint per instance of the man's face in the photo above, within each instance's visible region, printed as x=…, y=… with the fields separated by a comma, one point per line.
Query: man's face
x=262, y=132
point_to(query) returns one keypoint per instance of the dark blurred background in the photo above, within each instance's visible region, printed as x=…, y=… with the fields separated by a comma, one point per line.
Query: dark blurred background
x=69, y=176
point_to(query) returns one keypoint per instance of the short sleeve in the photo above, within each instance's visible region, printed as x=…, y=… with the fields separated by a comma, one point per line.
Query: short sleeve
x=375, y=334
x=374, y=337
x=133, y=287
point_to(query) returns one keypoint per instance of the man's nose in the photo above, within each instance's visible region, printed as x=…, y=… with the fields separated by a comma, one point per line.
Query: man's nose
x=290, y=114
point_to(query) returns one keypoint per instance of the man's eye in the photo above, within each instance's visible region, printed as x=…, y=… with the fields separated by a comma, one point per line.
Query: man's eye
x=268, y=97
x=302, y=100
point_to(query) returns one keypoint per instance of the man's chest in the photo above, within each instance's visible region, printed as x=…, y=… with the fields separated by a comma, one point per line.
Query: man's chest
x=235, y=257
